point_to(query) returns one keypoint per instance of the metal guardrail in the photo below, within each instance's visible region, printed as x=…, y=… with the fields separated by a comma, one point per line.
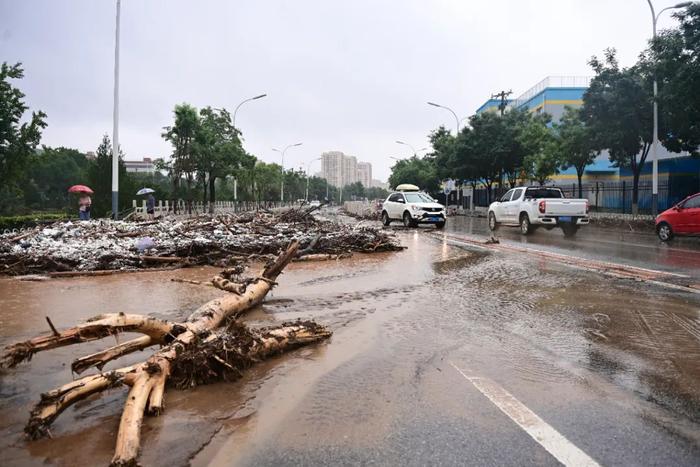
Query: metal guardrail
x=552, y=82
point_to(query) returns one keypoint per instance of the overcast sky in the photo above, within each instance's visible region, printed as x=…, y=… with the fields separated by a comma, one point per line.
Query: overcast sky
x=352, y=76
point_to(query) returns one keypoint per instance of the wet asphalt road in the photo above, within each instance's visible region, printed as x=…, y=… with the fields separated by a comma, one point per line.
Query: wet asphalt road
x=427, y=343
x=634, y=248
x=611, y=366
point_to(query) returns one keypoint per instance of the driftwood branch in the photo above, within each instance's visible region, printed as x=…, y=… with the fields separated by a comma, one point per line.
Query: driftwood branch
x=210, y=345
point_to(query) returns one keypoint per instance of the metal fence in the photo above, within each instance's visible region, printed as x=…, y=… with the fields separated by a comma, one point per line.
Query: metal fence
x=182, y=208
x=606, y=196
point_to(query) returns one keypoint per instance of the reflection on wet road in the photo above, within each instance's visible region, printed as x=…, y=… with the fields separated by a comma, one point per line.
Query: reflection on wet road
x=642, y=249
x=611, y=365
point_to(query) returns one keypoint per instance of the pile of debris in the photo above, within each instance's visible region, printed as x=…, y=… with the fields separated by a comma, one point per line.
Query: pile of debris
x=100, y=245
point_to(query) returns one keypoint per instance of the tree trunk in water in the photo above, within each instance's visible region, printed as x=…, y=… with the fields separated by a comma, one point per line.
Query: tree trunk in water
x=196, y=351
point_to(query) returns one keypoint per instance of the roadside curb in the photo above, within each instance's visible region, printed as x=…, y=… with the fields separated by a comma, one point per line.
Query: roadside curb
x=617, y=270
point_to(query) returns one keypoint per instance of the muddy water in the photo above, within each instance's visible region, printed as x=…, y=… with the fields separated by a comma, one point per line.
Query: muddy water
x=397, y=319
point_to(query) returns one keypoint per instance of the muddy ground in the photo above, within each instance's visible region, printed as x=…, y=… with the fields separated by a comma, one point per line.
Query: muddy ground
x=613, y=365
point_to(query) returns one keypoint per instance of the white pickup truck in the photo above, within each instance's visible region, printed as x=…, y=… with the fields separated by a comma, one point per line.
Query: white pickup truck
x=530, y=207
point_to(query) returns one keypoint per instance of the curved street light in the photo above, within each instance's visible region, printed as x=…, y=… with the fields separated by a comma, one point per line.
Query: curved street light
x=239, y=106
x=282, y=152
x=447, y=108
x=655, y=139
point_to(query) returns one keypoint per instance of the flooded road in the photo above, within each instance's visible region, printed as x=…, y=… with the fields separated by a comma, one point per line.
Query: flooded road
x=635, y=248
x=426, y=344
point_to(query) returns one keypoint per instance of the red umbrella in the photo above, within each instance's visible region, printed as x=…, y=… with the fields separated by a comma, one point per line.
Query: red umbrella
x=80, y=189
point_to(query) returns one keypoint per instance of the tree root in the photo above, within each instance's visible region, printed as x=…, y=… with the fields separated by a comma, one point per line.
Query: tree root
x=209, y=346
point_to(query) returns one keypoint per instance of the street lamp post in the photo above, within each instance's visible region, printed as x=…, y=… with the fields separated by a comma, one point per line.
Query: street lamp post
x=115, y=118
x=447, y=108
x=282, y=152
x=415, y=153
x=308, y=167
x=655, y=138
x=239, y=106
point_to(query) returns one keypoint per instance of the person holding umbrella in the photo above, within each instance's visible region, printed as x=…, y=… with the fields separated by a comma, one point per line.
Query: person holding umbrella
x=150, y=201
x=85, y=202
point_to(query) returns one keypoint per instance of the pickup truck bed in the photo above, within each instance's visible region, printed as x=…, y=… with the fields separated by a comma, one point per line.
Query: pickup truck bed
x=530, y=207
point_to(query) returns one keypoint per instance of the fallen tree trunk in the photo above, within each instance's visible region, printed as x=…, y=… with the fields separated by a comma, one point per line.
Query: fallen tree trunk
x=210, y=345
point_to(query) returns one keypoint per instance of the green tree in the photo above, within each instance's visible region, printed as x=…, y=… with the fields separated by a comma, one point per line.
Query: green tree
x=376, y=193
x=420, y=172
x=354, y=191
x=218, y=149
x=443, y=154
x=99, y=174
x=540, y=145
x=616, y=108
x=575, y=148
x=184, y=158
x=674, y=58
x=17, y=140
x=50, y=173
x=482, y=150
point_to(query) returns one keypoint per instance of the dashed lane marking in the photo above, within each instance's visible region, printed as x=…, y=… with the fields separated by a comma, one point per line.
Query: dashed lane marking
x=554, y=442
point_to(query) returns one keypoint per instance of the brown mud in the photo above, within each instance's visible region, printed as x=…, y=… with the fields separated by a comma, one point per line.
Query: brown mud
x=396, y=317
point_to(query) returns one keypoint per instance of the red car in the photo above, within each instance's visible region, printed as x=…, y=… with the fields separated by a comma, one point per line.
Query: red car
x=681, y=219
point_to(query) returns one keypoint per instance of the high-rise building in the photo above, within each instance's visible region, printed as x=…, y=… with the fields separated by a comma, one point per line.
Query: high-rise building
x=364, y=174
x=339, y=169
x=331, y=164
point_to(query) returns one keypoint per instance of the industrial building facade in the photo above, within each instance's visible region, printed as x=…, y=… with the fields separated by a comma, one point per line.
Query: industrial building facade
x=679, y=174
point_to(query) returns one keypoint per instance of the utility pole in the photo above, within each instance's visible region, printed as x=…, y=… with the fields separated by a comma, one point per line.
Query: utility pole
x=502, y=95
x=115, y=130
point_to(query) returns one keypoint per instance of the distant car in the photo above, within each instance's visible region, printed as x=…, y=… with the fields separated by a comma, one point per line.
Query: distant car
x=315, y=203
x=413, y=208
x=530, y=207
x=681, y=219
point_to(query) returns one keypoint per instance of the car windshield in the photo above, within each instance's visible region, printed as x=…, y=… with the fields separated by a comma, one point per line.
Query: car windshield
x=543, y=193
x=417, y=198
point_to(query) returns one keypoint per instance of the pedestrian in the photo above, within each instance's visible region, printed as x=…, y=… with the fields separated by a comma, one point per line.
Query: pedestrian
x=151, y=206
x=84, y=204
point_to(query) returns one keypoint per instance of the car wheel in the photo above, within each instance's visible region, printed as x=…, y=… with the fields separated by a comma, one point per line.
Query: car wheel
x=665, y=232
x=385, y=218
x=493, y=225
x=569, y=229
x=525, y=226
x=407, y=220
x=440, y=225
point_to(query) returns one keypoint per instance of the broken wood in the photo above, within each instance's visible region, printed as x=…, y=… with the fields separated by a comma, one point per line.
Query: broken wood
x=322, y=257
x=108, y=272
x=210, y=345
x=164, y=259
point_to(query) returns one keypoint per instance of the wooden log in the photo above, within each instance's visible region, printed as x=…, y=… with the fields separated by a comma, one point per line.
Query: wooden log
x=100, y=359
x=164, y=259
x=321, y=257
x=109, y=272
x=96, y=328
x=206, y=318
x=57, y=400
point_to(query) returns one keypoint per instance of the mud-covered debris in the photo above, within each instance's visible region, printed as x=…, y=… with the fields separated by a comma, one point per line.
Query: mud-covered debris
x=222, y=240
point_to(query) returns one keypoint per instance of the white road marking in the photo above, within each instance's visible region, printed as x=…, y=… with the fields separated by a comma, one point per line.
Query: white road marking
x=549, y=438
